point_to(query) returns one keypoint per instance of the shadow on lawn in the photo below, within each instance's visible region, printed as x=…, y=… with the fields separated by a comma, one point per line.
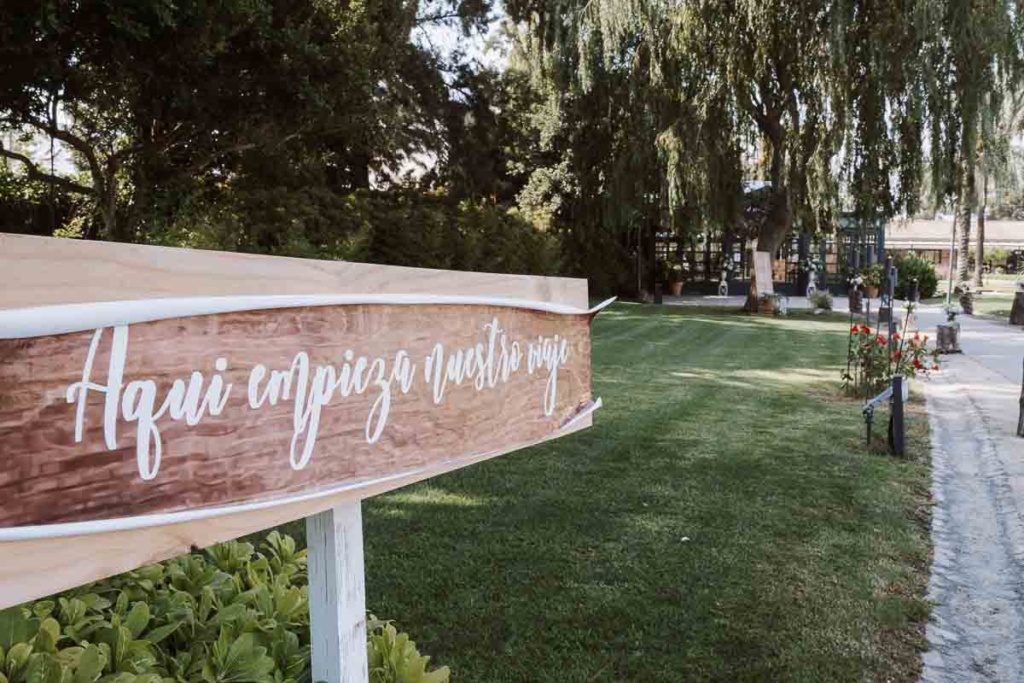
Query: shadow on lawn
x=720, y=520
x=705, y=527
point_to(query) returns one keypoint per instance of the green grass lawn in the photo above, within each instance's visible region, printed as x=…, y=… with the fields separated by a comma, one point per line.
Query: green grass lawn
x=722, y=520
x=994, y=306
x=990, y=305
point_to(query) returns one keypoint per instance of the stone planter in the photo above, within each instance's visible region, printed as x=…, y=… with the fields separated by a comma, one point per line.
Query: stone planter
x=675, y=288
x=871, y=291
x=948, y=337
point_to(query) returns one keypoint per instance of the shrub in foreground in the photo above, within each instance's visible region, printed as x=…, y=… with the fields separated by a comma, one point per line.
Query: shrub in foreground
x=232, y=614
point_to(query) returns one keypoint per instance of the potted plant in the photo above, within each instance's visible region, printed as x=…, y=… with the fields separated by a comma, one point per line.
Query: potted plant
x=812, y=266
x=768, y=303
x=675, y=279
x=873, y=278
x=854, y=293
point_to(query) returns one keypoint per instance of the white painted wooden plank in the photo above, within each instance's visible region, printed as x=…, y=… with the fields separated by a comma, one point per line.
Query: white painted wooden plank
x=337, y=595
x=39, y=271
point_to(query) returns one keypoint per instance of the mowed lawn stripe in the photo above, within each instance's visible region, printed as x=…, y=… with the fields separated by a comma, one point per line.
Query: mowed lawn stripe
x=722, y=520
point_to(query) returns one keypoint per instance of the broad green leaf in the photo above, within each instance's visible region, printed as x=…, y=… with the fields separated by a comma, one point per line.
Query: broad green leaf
x=69, y=656
x=17, y=658
x=160, y=632
x=44, y=642
x=121, y=606
x=90, y=665
x=138, y=619
x=51, y=626
x=43, y=668
x=43, y=608
x=15, y=627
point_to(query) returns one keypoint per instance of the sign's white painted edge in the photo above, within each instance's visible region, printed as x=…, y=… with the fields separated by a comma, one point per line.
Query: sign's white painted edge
x=39, y=531
x=39, y=321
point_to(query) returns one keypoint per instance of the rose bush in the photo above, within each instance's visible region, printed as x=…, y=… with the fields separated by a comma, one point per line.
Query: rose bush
x=873, y=358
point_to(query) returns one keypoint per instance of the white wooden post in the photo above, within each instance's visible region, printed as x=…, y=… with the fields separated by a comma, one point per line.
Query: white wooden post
x=337, y=595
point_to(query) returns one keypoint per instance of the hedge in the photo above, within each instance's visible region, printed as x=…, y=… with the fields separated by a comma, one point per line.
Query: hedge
x=230, y=614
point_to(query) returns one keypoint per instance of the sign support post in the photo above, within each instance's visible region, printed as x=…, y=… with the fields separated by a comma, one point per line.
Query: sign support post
x=337, y=594
x=896, y=428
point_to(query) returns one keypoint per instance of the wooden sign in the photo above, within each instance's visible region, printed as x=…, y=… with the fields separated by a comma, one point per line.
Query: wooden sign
x=154, y=400
x=134, y=414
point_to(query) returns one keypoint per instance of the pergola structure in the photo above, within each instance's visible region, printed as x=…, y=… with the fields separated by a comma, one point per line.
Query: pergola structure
x=853, y=245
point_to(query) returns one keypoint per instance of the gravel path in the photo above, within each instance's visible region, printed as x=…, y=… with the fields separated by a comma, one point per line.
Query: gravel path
x=977, y=582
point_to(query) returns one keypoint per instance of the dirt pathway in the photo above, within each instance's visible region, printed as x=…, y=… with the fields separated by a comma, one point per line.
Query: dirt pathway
x=977, y=581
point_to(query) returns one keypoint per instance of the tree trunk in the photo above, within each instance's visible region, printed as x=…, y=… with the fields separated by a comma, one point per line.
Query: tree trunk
x=979, y=242
x=780, y=216
x=108, y=212
x=967, y=203
x=770, y=237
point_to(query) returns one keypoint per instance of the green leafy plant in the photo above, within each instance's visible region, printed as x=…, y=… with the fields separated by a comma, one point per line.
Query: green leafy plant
x=231, y=614
x=821, y=299
x=997, y=258
x=912, y=267
x=393, y=657
x=874, y=275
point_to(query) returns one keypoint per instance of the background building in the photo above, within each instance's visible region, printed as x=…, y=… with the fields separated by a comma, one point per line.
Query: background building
x=931, y=239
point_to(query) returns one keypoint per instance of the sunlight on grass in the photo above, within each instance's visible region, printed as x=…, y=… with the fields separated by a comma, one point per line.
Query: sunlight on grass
x=566, y=561
x=760, y=379
x=432, y=495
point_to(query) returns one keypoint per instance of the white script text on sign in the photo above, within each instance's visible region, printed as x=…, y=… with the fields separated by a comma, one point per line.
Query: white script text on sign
x=142, y=416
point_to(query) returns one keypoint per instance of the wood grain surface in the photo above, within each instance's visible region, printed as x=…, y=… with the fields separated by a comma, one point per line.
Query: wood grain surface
x=40, y=271
x=45, y=271
x=245, y=454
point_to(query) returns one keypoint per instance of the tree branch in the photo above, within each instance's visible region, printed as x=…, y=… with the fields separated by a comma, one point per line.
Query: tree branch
x=73, y=141
x=35, y=174
x=434, y=18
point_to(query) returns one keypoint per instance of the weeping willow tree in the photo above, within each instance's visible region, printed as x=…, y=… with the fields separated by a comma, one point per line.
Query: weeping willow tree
x=821, y=99
x=974, y=60
x=623, y=146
